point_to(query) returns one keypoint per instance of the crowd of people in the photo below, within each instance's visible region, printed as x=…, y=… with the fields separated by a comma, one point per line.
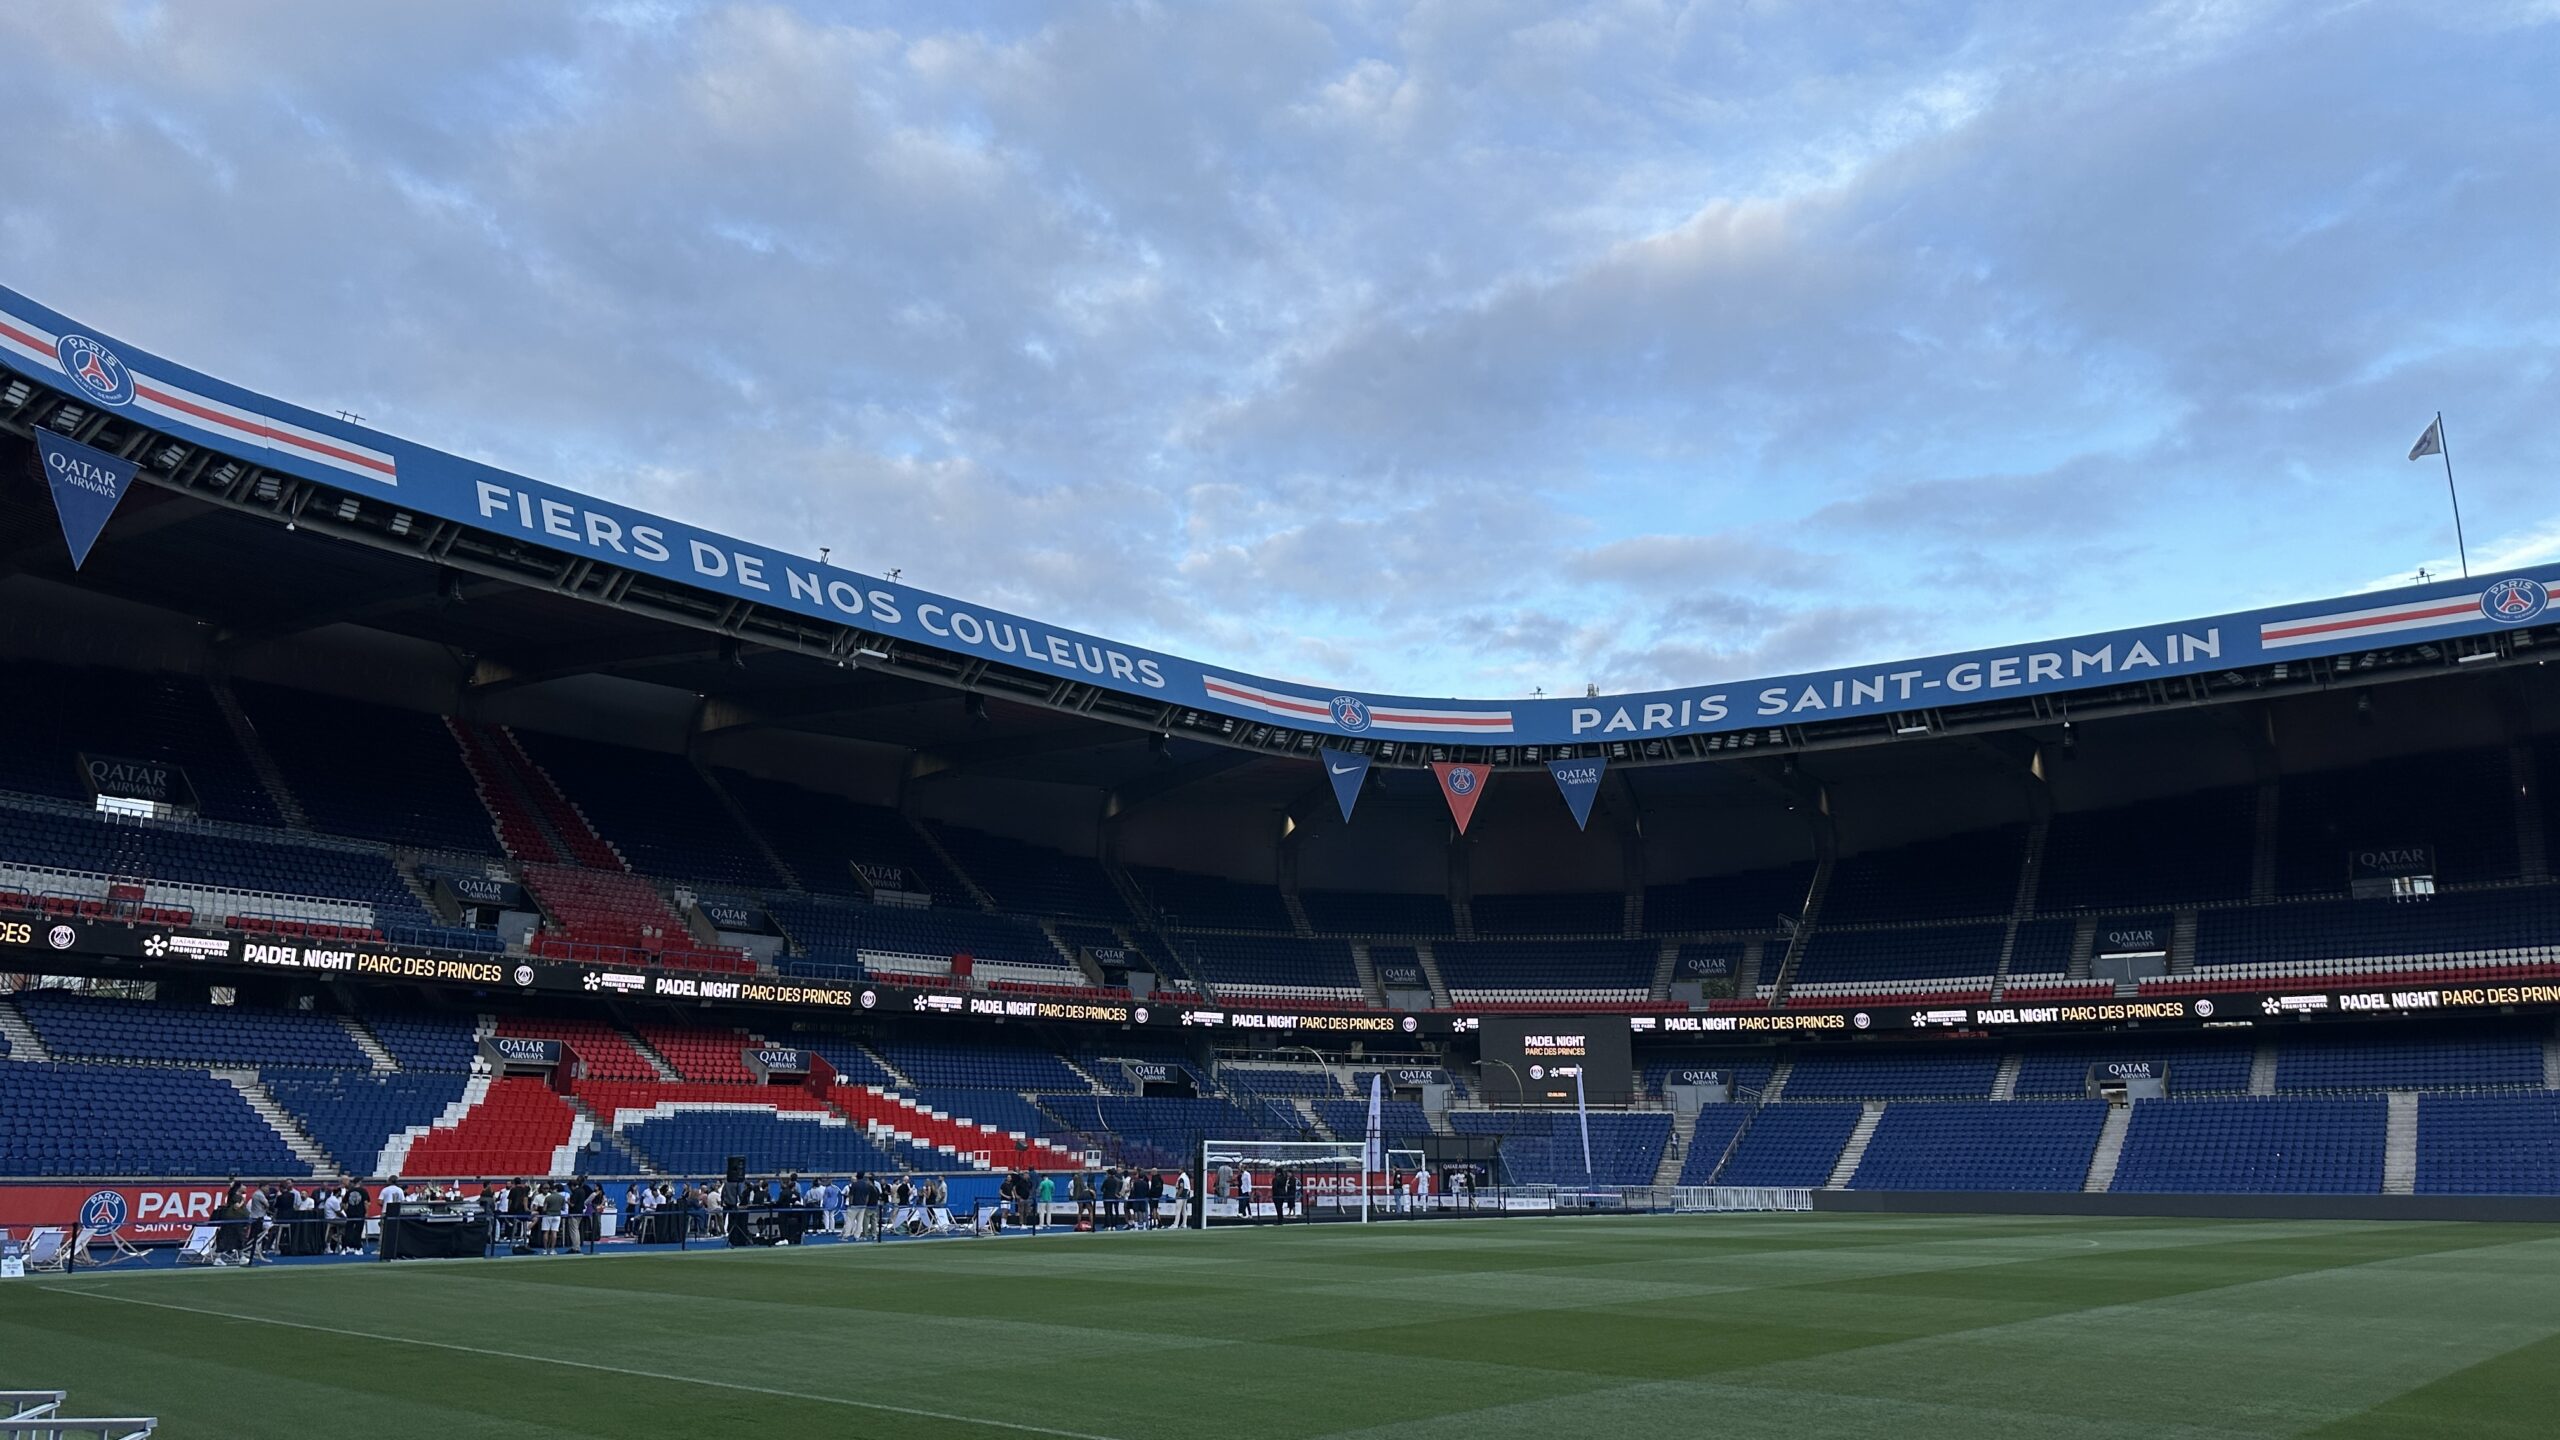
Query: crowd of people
x=547, y=1215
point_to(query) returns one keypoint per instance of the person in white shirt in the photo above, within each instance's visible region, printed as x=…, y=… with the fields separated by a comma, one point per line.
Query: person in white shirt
x=333, y=1212
x=1244, y=1191
x=1182, y=1200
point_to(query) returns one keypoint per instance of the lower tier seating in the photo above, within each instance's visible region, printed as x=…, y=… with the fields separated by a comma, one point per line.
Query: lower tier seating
x=1982, y=1145
x=2247, y=1145
x=517, y=1127
x=2489, y=1144
x=132, y=1120
x=1790, y=1144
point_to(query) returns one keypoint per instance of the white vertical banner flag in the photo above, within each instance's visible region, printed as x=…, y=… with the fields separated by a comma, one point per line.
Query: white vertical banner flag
x=1373, y=1155
x=1582, y=1112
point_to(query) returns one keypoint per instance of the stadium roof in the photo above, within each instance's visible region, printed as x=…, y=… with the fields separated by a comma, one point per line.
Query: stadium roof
x=270, y=521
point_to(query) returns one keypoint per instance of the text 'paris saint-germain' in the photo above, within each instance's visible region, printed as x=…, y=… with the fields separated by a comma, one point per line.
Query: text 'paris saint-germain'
x=1796, y=700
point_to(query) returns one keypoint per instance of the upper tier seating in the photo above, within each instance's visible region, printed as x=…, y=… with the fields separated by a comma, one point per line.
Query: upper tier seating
x=353, y=1113
x=2458, y=801
x=1790, y=1145
x=841, y=932
x=369, y=770
x=1211, y=902
x=2489, y=1144
x=2461, y=923
x=655, y=808
x=2180, y=850
x=1530, y=971
x=1544, y=1147
x=2395, y=1060
x=125, y=716
x=1033, y=879
x=2043, y=948
x=1602, y=914
x=2248, y=1145
x=609, y=917
x=1838, y=958
x=90, y=1120
x=1956, y=1074
x=1365, y=912
x=1752, y=900
x=90, y=1026
x=822, y=837
x=286, y=882
x=517, y=1128
x=1982, y=1145
x=1272, y=965
x=1952, y=877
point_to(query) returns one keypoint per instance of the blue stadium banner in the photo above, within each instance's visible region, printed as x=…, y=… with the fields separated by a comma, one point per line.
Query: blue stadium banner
x=1346, y=771
x=1580, y=782
x=87, y=483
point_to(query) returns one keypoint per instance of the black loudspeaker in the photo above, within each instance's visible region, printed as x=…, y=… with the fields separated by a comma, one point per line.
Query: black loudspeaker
x=737, y=1167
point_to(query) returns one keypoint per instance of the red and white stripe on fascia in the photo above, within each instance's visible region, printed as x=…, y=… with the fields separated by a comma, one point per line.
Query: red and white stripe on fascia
x=2380, y=620
x=1381, y=717
x=22, y=338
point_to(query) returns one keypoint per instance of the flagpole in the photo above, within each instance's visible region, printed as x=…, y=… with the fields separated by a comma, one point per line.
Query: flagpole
x=2444, y=448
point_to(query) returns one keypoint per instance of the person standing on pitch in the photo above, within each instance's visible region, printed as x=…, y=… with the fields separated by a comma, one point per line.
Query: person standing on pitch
x=1048, y=1195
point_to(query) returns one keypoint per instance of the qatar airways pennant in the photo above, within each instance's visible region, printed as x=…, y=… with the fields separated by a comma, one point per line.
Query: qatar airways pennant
x=87, y=483
x=1464, y=785
x=1580, y=782
x=1346, y=771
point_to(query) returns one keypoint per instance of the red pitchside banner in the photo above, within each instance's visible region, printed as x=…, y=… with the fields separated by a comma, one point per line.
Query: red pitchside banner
x=142, y=1213
x=1464, y=785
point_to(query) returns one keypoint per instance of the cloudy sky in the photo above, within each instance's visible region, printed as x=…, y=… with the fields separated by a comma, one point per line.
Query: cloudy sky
x=1434, y=348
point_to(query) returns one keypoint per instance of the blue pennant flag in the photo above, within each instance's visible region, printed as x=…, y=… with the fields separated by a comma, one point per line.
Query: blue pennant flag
x=1346, y=771
x=86, y=483
x=1580, y=782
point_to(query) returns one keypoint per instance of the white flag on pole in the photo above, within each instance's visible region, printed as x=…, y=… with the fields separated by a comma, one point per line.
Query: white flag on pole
x=2431, y=443
x=1373, y=1158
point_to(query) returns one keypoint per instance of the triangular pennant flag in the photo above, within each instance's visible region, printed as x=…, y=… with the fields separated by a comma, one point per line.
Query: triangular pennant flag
x=1580, y=782
x=1464, y=785
x=86, y=483
x=2431, y=443
x=1346, y=771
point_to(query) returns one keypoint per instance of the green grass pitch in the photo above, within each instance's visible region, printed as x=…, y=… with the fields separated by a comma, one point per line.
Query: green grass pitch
x=1765, y=1325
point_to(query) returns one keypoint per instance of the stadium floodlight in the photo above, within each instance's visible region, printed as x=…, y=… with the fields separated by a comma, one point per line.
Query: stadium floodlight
x=868, y=652
x=1917, y=727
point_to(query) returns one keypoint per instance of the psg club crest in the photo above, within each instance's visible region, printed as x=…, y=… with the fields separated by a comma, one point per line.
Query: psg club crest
x=1351, y=713
x=103, y=1212
x=1462, y=780
x=95, y=369
x=2514, y=602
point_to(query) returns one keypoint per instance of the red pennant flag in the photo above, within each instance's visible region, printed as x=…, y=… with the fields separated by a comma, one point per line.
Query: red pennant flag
x=1464, y=785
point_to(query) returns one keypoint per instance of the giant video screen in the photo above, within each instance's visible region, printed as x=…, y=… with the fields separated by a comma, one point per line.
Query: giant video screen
x=1531, y=1059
